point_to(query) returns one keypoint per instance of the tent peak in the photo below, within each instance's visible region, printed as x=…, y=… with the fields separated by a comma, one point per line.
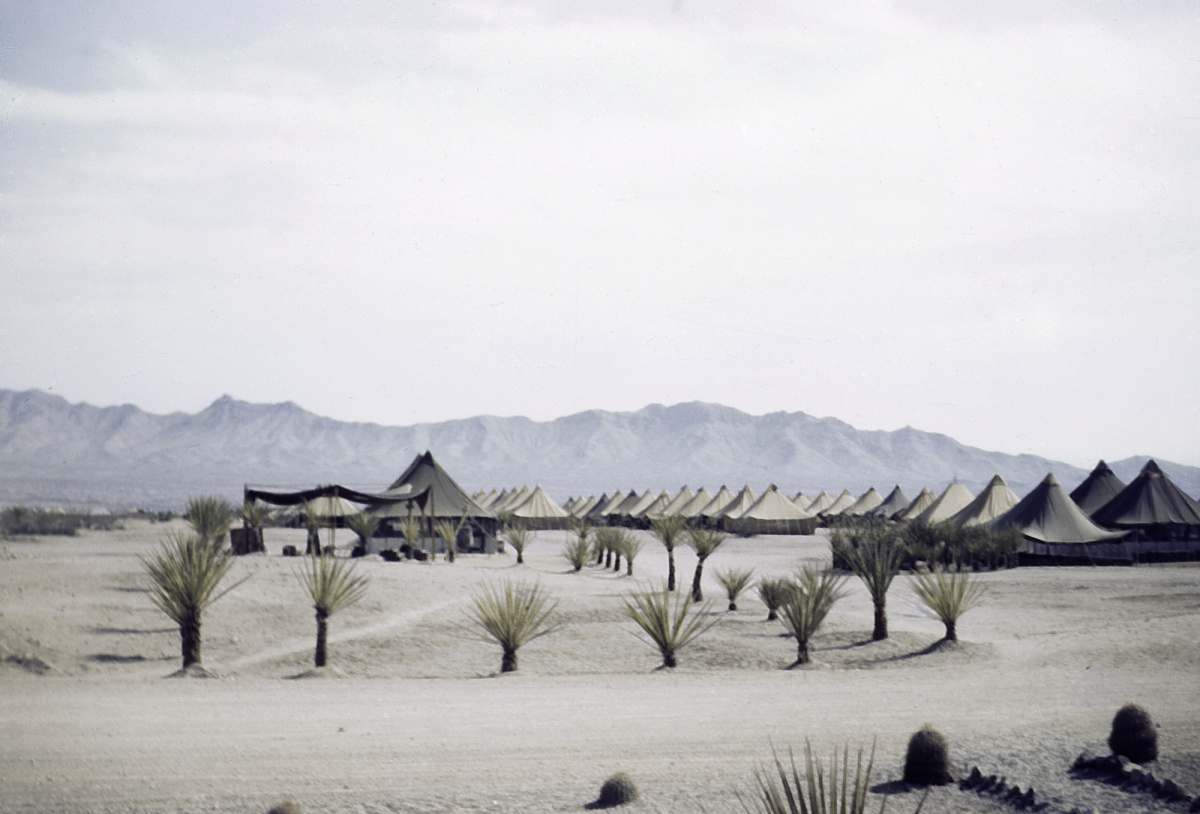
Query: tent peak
x=1153, y=470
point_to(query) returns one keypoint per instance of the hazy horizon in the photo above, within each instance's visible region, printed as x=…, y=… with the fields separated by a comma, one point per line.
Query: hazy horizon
x=979, y=221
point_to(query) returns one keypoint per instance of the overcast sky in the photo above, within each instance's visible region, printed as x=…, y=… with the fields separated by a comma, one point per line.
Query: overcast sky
x=982, y=223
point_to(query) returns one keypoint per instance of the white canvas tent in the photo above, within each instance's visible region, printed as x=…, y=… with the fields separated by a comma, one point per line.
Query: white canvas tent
x=773, y=513
x=993, y=501
x=953, y=499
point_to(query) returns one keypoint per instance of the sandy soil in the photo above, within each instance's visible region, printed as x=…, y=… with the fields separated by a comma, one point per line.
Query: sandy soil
x=412, y=718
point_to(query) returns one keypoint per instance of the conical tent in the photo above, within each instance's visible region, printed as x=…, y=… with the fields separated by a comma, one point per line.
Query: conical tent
x=919, y=504
x=801, y=500
x=605, y=507
x=842, y=502
x=1048, y=515
x=583, y=506
x=447, y=498
x=538, y=511
x=993, y=501
x=644, y=502
x=869, y=500
x=694, y=506
x=601, y=502
x=953, y=499
x=720, y=500
x=680, y=500
x=742, y=501
x=514, y=499
x=655, y=507
x=1100, y=486
x=1154, y=507
x=773, y=513
x=631, y=500
x=819, y=503
x=896, y=501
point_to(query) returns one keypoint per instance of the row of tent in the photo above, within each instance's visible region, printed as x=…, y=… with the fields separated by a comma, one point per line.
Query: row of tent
x=1102, y=509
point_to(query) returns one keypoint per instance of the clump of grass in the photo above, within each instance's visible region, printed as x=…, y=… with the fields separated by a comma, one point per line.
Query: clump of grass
x=1134, y=735
x=184, y=576
x=734, y=581
x=616, y=791
x=782, y=789
x=874, y=555
x=577, y=551
x=927, y=761
x=774, y=592
x=511, y=616
x=210, y=517
x=669, y=531
x=705, y=543
x=332, y=585
x=948, y=594
x=517, y=537
x=805, y=610
x=668, y=624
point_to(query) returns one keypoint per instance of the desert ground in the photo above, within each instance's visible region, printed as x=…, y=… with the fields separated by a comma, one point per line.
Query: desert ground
x=412, y=717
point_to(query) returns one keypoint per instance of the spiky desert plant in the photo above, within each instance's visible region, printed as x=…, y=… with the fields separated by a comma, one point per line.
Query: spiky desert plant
x=364, y=527
x=669, y=531
x=668, y=622
x=734, y=581
x=774, y=591
x=253, y=514
x=517, y=537
x=1133, y=735
x=512, y=615
x=631, y=546
x=781, y=789
x=448, y=532
x=184, y=575
x=332, y=585
x=927, y=759
x=314, y=521
x=210, y=517
x=577, y=551
x=704, y=542
x=815, y=595
x=874, y=555
x=948, y=594
x=410, y=528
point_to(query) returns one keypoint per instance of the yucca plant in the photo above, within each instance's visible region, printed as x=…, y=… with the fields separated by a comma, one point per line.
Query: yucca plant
x=253, y=514
x=874, y=555
x=607, y=542
x=774, y=591
x=668, y=622
x=210, y=517
x=364, y=527
x=517, y=537
x=704, y=542
x=577, y=552
x=184, y=575
x=781, y=789
x=410, y=527
x=631, y=546
x=448, y=532
x=314, y=521
x=815, y=595
x=734, y=581
x=948, y=594
x=333, y=585
x=669, y=531
x=511, y=616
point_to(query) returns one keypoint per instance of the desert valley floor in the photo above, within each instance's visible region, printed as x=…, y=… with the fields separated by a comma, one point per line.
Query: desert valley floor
x=412, y=718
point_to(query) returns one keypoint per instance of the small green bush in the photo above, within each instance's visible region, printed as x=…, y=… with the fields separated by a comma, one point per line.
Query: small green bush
x=927, y=762
x=1134, y=735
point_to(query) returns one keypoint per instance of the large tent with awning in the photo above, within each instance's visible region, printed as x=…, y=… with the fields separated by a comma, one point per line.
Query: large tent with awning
x=446, y=501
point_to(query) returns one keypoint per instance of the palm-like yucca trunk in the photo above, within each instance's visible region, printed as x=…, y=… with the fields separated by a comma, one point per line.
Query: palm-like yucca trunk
x=189, y=638
x=319, y=656
x=508, y=661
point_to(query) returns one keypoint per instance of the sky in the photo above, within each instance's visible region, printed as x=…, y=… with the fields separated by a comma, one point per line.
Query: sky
x=980, y=219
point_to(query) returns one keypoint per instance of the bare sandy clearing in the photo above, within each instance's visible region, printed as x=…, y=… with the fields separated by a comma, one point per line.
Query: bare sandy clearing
x=417, y=724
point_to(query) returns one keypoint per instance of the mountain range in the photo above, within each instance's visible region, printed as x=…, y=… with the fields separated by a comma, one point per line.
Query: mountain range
x=53, y=452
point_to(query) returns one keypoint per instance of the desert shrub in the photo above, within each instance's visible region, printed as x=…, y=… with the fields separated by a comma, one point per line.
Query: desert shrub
x=1134, y=735
x=332, y=585
x=577, y=551
x=184, y=575
x=448, y=532
x=705, y=543
x=253, y=514
x=927, y=761
x=616, y=791
x=18, y=520
x=805, y=610
x=782, y=789
x=948, y=594
x=773, y=592
x=669, y=531
x=364, y=527
x=734, y=581
x=667, y=624
x=511, y=616
x=607, y=539
x=873, y=554
x=630, y=546
x=285, y=807
x=210, y=517
x=517, y=536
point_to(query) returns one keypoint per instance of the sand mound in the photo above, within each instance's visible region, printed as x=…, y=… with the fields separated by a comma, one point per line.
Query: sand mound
x=194, y=671
x=318, y=672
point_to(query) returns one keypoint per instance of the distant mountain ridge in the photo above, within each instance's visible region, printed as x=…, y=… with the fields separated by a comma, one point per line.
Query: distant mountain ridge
x=53, y=452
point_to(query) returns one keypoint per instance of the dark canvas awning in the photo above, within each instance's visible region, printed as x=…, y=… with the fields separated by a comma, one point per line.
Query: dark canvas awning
x=417, y=498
